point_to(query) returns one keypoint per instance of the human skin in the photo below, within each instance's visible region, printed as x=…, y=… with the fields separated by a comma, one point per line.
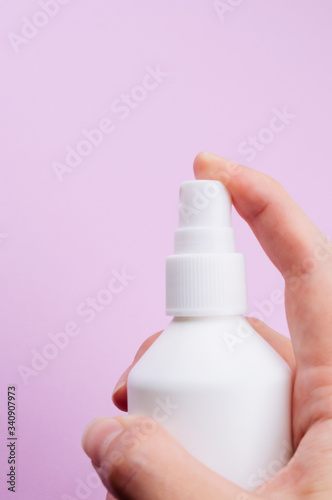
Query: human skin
x=137, y=465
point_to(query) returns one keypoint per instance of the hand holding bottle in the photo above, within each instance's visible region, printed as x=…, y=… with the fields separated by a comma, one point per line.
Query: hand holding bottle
x=138, y=460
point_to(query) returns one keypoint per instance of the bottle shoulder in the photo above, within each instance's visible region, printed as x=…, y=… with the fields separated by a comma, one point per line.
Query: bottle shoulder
x=210, y=349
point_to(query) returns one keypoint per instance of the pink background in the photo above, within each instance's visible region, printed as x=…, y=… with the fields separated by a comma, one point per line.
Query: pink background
x=60, y=241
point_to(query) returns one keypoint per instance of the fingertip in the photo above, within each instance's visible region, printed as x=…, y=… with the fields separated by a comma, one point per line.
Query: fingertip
x=211, y=166
x=201, y=164
x=109, y=496
x=98, y=432
x=119, y=396
x=120, y=385
x=86, y=430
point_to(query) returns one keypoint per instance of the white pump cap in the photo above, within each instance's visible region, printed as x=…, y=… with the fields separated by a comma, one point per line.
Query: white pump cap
x=205, y=276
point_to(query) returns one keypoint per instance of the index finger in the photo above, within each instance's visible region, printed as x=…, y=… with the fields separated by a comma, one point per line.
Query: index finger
x=300, y=251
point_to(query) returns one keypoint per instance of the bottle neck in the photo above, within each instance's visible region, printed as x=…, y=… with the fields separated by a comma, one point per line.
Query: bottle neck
x=198, y=319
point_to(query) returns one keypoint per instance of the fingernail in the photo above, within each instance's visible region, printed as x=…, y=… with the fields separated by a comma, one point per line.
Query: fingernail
x=97, y=436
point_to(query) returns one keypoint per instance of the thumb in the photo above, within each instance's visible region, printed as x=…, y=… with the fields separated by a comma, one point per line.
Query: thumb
x=138, y=459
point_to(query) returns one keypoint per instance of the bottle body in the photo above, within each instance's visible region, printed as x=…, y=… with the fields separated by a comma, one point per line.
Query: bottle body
x=222, y=392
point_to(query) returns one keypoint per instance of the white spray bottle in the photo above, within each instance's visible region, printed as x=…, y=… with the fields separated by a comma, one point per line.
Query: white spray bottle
x=209, y=378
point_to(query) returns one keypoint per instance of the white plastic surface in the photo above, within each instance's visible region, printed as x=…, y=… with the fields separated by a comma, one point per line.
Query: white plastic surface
x=222, y=392
x=209, y=378
x=205, y=276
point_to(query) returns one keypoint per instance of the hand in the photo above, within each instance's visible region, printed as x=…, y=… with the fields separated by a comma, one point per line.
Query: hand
x=138, y=465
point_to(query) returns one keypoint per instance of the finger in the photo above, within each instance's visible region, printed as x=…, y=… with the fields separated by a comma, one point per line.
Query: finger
x=119, y=396
x=138, y=459
x=109, y=496
x=279, y=342
x=283, y=229
x=293, y=243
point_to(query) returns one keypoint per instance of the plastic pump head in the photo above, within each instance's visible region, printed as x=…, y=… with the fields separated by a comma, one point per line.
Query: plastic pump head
x=204, y=203
x=204, y=218
x=205, y=276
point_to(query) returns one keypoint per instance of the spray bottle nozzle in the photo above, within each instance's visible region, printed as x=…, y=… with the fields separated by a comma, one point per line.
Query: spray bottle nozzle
x=204, y=218
x=205, y=276
x=204, y=203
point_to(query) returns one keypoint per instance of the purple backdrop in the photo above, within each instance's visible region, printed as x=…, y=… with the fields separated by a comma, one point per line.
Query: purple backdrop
x=104, y=106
